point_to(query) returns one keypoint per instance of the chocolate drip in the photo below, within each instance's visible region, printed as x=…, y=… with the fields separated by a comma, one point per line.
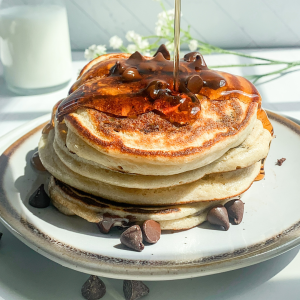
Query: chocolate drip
x=50, y=125
x=128, y=87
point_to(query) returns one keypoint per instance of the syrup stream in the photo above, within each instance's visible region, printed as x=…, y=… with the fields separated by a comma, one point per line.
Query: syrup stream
x=176, y=44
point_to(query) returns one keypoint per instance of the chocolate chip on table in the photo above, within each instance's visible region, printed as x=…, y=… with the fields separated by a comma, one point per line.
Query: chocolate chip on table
x=133, y=238
x=39, y=198
x=235, y=210
x=280, y=161
x=151, y=231
x=134, y=290
x=1, y=235
x=93, y=289
x=218, y=216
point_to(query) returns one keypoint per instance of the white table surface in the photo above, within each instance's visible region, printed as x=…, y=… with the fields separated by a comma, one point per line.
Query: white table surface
x=25, y=274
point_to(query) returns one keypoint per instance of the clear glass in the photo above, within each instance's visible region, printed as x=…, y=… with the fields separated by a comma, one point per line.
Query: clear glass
x=35, y=46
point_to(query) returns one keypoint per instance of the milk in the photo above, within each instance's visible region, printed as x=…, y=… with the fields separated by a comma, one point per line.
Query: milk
x=35, y=46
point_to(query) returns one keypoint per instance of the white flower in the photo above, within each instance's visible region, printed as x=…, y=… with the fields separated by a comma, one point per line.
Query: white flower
x=193, y=45
x=115, y=42
x=165, y=19
x=170, y=46
x=101, y=49
x=88, y=55
x=131, y=48
x=94, y=51
x=131, y=36
x=143, y=44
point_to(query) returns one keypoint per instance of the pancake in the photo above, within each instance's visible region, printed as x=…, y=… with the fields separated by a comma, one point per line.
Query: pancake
x=211, y=187
x=150, y=145
x=141, y=120
x=252, y=150
x=71, y=201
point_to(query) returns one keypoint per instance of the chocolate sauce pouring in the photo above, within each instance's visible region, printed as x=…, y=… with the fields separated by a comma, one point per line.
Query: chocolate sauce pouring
x=176, y=43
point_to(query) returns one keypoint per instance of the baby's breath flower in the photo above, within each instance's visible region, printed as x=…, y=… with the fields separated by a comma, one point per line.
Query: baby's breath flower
x=170, y=46
x=164, y=21
x=132, y=36
x=115, y=42
x=143, y=44
x=193, y=45
x=94, y=51
x=100, y=49
x=131, y=48
x=88, y=55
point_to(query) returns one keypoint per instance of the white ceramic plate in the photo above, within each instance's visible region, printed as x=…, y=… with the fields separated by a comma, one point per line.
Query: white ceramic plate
x=270, y=226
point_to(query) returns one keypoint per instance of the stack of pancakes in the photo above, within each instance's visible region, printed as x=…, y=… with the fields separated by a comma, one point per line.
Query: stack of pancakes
x=149, y=168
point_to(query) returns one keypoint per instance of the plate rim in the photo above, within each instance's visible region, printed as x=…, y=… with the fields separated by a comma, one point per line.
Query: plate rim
x=112, y=267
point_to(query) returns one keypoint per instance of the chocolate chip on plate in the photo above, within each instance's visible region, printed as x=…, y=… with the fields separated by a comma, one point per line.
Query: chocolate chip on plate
x=93, y=289
x=280, y=161
x=134, y=290
x=151, y=231
x=110, y=221
x=133, y=238
x=218, y=216
x=235, y=210
x=39, y=198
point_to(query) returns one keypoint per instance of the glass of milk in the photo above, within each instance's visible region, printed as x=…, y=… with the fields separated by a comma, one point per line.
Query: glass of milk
x=35, y=46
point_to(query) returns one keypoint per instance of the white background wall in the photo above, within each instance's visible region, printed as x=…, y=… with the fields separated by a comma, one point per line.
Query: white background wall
x=225, y=23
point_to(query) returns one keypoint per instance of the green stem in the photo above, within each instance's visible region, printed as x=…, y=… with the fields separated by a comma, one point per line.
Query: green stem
x=257, y=77
x=247, y=65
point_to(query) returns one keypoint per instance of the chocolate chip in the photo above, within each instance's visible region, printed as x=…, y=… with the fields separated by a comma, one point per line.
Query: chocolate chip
x=1, y=235
x=212, y=79
x=280, y=161
x=117, y=69
x=235, y=210
x=137, y=56
x=194, y=84
x=164, y=51
x=151, y=231
x=93, y=289
x=194, y=56
x=39, y=198
x=131, y=74
x=110, y=221
x=218, y=216
x=133, y=238
x=158, y=57
x=36, y=162
x=134, y=290
x=156, y=87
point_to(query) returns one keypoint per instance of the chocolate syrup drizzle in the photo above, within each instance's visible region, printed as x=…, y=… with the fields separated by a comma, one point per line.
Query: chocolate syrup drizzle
x=128, y=87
